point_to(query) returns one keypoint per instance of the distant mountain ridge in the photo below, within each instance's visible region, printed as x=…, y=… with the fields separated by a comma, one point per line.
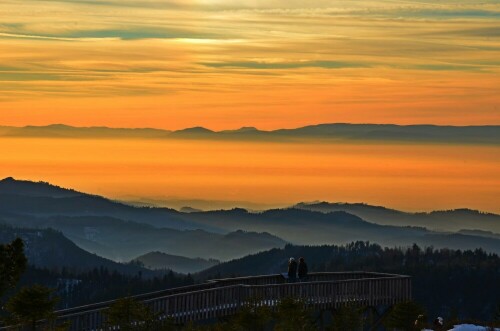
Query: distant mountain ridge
x=444, y=220
x=487, y=134
x=67, y=131
x=308, y=227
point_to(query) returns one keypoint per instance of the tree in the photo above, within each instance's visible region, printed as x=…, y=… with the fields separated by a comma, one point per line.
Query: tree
x=348, y=318
x=404, y=315
x=293, y=314
x=251, y=317
x=12, y=264
x=132, y=315
x=31, y=305
x=496, y=315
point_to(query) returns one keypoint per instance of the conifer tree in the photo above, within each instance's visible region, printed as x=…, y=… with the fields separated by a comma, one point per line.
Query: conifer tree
x=132, y=315
x=251, y=317
x=32, y=304
x=129, y=314
x=348, y=318
x=496, y=316
x=12, y=264
x=293, y=314
x=403, y=316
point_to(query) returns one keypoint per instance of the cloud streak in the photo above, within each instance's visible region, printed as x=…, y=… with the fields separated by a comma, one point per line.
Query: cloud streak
x=177, y=62
x=286, y=65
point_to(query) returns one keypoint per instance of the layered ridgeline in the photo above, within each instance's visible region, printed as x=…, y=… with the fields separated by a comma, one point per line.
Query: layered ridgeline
x=122, y=232
x=337, y=131
x=119, y=231
x=132, y=231
x=316, y=228
x=445, y=220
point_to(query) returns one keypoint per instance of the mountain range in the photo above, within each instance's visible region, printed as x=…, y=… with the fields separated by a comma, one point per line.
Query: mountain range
x=336, y=131
x=122, y=232
x=307, y=227
x=118, y=231
x=444, y=220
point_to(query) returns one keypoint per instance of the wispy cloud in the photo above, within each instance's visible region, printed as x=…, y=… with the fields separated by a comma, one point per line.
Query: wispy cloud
x=221, y=60
x=286, y=65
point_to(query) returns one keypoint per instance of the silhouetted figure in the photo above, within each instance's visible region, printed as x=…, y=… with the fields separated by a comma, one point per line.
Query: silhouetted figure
x=302, y=269
x=292, y=269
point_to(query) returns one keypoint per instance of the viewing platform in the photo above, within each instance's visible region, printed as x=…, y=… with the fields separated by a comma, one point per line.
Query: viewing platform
x=223, y=297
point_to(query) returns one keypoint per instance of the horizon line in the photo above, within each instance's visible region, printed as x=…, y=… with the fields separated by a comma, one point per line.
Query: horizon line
x=250, y=127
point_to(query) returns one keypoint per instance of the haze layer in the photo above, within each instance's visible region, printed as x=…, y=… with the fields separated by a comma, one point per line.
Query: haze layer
x=402, y=175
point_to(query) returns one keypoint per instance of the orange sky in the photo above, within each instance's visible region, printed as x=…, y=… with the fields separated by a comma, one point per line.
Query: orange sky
x=405, y=176
x=270, y=64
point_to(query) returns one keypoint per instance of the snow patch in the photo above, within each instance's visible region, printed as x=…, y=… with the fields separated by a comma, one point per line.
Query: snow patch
x=468, y=327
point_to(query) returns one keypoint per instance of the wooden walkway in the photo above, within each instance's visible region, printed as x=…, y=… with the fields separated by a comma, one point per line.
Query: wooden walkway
x=223, y=297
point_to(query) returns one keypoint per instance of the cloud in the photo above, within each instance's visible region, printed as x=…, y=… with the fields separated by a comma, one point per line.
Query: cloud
x=203, y=57
x=445, y=67
x=491, y=31
x=286, y=65
x=165, y=4
x=428, y=13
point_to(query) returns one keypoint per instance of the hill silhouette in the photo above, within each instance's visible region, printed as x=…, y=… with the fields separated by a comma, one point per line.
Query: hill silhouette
x=47, y=248
x=66, y=131
x=12, y=186
x=335, y=131
x=41, y=198
x=307, y=227
x=122, y=232
x=447, y=220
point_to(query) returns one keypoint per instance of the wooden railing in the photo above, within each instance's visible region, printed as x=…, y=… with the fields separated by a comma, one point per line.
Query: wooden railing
x=223, y=297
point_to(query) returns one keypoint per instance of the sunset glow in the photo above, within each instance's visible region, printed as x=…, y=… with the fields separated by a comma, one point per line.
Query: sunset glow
x=411, y=177
x=270, y=64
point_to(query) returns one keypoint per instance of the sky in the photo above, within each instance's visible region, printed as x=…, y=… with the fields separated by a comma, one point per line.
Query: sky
x=410, y=177
x=221, y=64
x=271, y=64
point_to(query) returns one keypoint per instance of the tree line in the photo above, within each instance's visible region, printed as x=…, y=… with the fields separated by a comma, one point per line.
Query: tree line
x=447, y=282
x=25, y=305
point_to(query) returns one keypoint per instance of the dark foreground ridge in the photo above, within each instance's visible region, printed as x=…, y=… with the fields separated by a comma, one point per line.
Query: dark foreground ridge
x=220, y=298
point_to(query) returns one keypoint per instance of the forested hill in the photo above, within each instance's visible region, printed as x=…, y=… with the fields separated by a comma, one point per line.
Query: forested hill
x=47, y=248
x=77, y=288
x=444, y=280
